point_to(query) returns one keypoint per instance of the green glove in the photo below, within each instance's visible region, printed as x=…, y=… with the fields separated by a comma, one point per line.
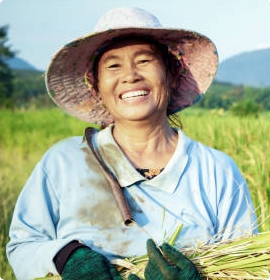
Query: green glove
x=173, y=265
x=133, y=277
x=86, y=264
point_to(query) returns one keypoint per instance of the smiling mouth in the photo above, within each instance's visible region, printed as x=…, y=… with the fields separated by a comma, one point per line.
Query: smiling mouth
x=132, y=94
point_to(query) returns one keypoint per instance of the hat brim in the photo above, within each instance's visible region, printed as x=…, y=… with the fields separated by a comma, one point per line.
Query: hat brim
x=65, y=75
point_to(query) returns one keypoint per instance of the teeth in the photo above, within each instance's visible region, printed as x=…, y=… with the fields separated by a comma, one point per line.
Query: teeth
x=134, y=94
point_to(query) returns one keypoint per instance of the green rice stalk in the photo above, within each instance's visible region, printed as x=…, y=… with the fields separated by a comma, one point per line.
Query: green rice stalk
x=244, y=258
x=53, y=277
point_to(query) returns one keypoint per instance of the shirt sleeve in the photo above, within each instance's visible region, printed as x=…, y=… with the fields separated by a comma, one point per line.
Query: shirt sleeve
x=33, y=229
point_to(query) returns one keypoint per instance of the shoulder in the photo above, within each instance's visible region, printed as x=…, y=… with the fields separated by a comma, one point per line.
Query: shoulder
x=74, y=148
x=204, y=154
x=64, y=149
x=212, y=167
x=68, y=143
x=201, y=150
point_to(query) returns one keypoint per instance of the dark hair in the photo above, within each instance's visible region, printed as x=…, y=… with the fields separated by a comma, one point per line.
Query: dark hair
x=171, y=64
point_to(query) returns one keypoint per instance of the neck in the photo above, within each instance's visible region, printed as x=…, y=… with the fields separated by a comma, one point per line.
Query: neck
x=145, y=145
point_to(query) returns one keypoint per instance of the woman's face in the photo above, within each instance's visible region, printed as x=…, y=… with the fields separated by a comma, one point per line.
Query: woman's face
x=132, y=81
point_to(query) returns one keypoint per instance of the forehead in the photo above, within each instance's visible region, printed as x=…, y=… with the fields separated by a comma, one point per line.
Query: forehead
x=135, y=44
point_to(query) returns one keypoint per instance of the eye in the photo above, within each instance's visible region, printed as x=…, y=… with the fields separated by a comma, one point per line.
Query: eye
x=113, y=66
x=143, y=61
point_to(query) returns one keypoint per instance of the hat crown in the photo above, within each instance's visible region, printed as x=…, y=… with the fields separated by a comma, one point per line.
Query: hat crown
x=126, y=17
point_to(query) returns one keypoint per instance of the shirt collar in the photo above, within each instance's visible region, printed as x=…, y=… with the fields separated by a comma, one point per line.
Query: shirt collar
x=169, y=178
x=127, y=175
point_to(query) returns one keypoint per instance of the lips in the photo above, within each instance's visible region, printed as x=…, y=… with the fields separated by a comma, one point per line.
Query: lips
x=132, y=94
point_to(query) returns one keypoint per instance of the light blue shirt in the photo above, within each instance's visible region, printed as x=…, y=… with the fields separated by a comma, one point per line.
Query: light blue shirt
x=67, y=198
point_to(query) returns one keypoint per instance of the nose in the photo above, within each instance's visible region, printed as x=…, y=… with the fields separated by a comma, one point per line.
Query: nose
x=130, y=74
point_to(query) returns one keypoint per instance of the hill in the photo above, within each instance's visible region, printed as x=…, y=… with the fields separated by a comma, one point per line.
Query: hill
x=18, y=63
x=248, y=69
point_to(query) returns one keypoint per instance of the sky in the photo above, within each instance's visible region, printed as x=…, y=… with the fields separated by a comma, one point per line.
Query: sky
x=39, y=28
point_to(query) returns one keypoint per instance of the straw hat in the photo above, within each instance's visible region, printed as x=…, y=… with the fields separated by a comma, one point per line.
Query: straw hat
x=69, y=78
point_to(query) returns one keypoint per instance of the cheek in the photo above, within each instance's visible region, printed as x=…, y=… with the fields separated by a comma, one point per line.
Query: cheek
x=106, y=80
x=160, y=75
x=104, y=86
x=102, y=80
x=165, y=84
x=106, y=91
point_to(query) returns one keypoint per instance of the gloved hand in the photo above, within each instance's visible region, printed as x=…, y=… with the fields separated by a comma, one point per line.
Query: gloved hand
x=173, y=265
x=133, y=277
x=86, y=264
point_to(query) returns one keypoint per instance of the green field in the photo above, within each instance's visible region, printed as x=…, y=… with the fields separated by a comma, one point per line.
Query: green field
x=26, y=135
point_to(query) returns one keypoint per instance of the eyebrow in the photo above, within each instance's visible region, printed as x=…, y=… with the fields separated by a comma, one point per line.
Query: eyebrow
x=144, y=52
x=138, y=53
x=110, y=57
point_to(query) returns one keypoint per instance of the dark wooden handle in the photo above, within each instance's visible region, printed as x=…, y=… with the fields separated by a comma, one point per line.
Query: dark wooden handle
x=114, y=185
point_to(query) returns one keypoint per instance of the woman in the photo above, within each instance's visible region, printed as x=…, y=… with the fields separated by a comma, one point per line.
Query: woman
x=128, y=77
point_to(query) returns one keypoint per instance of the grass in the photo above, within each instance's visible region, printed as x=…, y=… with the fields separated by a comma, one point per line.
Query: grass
x=26, y=135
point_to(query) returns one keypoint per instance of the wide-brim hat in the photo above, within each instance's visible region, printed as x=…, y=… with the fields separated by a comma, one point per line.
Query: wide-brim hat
x=69, y=78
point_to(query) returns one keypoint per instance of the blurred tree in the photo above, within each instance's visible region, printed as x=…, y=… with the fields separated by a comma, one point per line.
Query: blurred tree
x=6, y=76
x=245, y=108
x=29, y=89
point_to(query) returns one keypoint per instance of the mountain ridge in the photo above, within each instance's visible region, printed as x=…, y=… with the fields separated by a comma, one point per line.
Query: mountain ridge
x=19, y=64
x=248, y=68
